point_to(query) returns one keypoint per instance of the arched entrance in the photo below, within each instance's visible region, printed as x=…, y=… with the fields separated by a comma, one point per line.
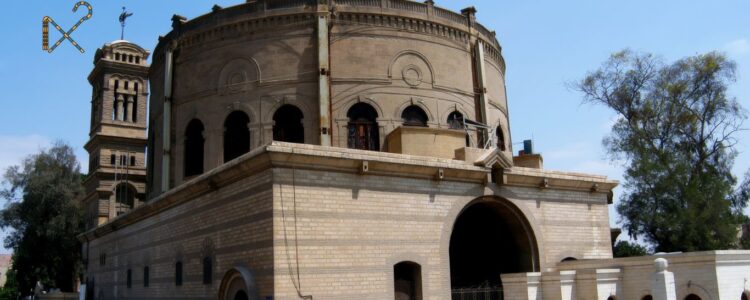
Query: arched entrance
x=238, y=284
x=490, y=237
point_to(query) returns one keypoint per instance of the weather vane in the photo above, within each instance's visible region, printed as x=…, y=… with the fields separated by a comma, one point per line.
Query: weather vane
x=123, y=16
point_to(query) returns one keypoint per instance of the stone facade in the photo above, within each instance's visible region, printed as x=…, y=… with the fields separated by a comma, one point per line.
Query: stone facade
x=301, y=149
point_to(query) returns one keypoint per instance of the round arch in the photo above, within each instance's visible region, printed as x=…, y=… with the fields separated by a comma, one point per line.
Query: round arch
x=414, y=53
x=414, y=102
x=496, y=225
x=342, y=114
x=238, y=282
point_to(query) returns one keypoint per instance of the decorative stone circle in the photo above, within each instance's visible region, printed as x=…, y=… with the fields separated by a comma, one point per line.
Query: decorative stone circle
x=412, y=75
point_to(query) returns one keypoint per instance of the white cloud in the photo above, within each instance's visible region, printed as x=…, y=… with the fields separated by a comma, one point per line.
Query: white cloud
x=13, y=149
x=738, y=47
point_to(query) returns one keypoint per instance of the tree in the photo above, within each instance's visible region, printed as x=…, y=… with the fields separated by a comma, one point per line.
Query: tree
x=675, y=133
x=45, y=220
x=628, y=249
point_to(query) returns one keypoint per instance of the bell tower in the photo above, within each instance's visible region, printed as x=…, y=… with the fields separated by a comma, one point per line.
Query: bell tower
x=117, y=139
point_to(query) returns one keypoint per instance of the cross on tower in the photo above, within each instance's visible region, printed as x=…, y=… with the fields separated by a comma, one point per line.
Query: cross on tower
x=123, y=16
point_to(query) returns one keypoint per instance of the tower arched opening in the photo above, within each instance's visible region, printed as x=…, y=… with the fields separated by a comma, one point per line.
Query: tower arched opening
x=124, y=198
x=236, y=135
x=407, y=281
x=194, y=148
x=287, y=126
x=363, y=131
x=414, y=116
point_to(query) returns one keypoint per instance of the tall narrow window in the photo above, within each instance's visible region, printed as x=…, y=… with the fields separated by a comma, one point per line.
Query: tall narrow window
x=129, y=279
x=117, y=56
x=135, y=104
x=115, y=109
x=112, y=159
x=236, y=135
x=287, y=126
x=500, y=138
x=407, y=281
x=414, y=116
x=132, y=161
x=207, y=270
x=145, y=276
x=124, y=197
x=363, y=131
x=194, y=144
x=178, y=273
x=456, y=120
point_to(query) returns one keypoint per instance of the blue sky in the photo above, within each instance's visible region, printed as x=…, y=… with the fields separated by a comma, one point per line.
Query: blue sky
x=546, y=44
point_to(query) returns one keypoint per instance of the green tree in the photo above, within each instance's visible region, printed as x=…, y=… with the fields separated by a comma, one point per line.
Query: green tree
x=45, y=218
x=675, y=133
x=628, y=249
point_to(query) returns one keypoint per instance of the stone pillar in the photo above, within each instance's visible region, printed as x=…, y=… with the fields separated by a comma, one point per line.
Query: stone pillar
x=119, y=101
x=598, y=283
x=129, y=115
x=324, y=82
x=662, y=281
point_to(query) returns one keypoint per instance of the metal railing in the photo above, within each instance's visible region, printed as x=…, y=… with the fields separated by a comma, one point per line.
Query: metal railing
x=479, y=293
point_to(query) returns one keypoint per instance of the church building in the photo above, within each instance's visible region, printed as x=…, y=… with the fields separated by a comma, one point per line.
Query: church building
x=337, y=150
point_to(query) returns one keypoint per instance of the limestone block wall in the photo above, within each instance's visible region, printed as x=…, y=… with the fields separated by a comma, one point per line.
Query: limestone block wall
x=232, y=225
x=338, y=235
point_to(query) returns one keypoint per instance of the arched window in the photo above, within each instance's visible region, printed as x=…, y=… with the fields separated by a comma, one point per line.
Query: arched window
x=456, y=120
x=194, y=141
x=611, y=298
x=647, y=297
x=236, y=135
x=692, y=297
x=363, y=131
x=414, y=116
x=178, y=273
x=129, y=279
x=112, y=159
x=287, y=126
x=124, y=197
x=145, y=276
x=500, y=138
x=134, y=117
x=407, y=281
x=207, y=270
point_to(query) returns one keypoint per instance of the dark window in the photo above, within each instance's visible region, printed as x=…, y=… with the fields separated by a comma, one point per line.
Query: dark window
x=611, y=298
x=125, y=196
x=102, y=259
x=500, y=138
x=207, y=270
x=132, y=160
x=647, y=297
x=117, y=56
x=178, y=273
x=287, y=126
x=363, y=131
x=135, y=104
x=138, y=59
x=692, y=297
x=145, y=276
x=569, y=259
x=414, y=116
x=130, y=58
x=236, y=135
x=127, y=85
x=129, y=280
x=114, y=101
x=456, y=120
x=407, y=281
x=241, y=295
x=112, y=159
x=194, y=144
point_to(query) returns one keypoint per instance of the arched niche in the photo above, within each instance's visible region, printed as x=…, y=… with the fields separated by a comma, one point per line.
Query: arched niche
x=238, y=75
x=412, y=68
